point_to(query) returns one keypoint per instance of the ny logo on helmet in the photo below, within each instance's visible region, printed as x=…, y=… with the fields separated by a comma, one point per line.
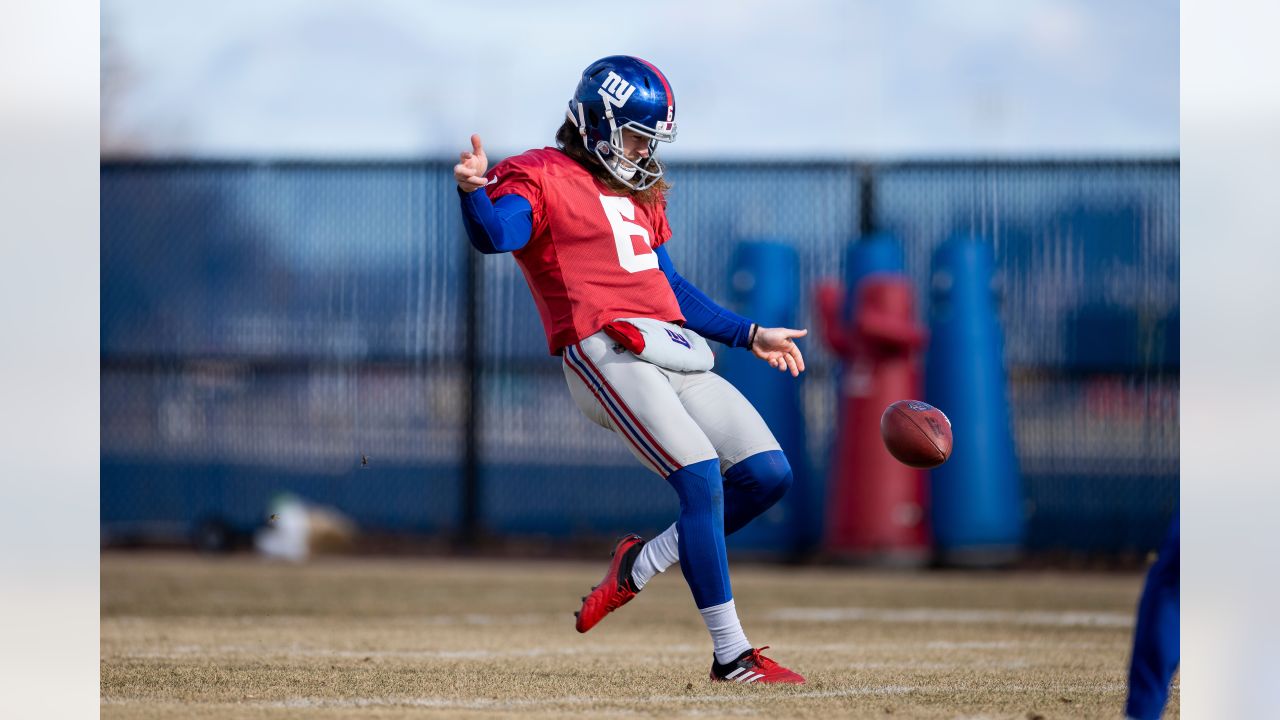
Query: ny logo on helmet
x=615, y=90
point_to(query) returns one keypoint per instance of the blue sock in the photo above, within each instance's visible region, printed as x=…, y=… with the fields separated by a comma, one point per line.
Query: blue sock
x=701, y=527
x=752, y=486
x=1155, y=639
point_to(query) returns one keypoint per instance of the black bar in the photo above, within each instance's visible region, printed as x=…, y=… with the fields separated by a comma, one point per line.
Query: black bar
x=469, y=528
x=866, y=203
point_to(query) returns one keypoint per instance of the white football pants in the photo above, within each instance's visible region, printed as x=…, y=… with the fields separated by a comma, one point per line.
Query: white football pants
x=668, y=419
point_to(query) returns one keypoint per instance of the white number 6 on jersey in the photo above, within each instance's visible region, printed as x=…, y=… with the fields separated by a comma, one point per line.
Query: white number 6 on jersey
x=621, y=212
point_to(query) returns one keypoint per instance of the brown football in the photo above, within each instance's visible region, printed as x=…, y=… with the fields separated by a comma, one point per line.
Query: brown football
x=916, y=433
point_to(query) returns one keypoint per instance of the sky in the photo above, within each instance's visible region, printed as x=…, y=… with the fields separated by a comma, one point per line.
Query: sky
x=817, y=78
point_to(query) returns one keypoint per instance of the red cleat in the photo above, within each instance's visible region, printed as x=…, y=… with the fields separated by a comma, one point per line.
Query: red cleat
x=615, y=590
x=751, y=667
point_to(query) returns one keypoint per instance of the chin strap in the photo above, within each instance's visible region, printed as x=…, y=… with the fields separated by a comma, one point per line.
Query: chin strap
x=579, y=121
x=603, y=148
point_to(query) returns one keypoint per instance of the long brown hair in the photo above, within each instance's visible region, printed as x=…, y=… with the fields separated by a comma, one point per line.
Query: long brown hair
x=569, y=141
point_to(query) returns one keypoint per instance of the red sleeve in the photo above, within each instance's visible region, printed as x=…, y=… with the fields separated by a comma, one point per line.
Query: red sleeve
x=519, y=175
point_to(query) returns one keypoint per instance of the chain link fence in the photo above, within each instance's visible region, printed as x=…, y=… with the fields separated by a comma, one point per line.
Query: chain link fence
x=303, y=327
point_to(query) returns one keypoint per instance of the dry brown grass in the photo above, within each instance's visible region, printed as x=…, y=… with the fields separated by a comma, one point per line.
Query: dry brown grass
x=193, y=637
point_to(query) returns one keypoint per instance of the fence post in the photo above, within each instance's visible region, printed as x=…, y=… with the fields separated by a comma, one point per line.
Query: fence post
x=469, y=528
x=866, y=202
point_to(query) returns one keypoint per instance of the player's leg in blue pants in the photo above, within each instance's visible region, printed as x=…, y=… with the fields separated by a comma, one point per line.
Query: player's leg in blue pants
x=712, y=507
x=749, y=487
x=1156, y=638
x=753, y=486
x=686, y=427
x=703, y=559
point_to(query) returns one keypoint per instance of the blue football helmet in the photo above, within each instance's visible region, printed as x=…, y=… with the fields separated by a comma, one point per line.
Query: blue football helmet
x=619, y=93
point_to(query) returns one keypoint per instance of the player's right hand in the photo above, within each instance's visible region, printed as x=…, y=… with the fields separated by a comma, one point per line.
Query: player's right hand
x=469, y=172
x=777, y=347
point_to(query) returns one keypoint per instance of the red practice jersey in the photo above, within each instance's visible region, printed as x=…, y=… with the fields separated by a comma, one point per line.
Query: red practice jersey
x=590, y=258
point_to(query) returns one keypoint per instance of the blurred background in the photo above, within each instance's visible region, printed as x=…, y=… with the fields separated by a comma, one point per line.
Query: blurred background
x=289, y=306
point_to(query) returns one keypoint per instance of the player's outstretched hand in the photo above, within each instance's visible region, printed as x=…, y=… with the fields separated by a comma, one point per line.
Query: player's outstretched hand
x=776, y=347
x=469, y=172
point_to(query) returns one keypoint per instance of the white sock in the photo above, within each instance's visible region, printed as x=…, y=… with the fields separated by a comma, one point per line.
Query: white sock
x=656, y=556
x=727, y=639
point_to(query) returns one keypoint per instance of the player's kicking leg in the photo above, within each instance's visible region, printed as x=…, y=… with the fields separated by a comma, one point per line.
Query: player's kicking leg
x=750, y=487
x=619, y=587
x=637, y=401
x=756, y=475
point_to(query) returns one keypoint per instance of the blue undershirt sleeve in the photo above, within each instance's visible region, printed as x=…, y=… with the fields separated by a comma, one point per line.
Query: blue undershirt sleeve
x=496, y=227
x=701, y=314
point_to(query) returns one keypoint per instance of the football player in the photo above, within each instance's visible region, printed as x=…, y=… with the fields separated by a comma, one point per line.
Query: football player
x=586, y=222
x=1156, y=638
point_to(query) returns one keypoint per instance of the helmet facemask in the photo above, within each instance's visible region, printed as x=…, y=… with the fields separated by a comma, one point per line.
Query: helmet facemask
x=637, y=175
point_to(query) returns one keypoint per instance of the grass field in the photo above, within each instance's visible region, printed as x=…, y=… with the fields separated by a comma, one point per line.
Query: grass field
x=185, y=636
